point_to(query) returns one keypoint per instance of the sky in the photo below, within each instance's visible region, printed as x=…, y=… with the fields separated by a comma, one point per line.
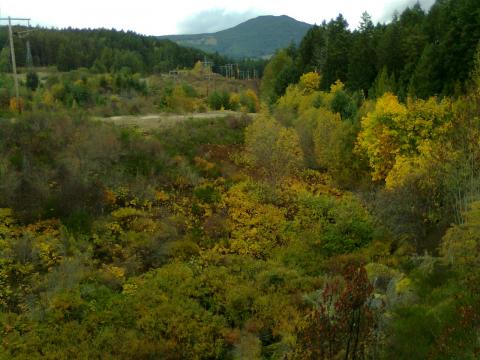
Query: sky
x=168, y=17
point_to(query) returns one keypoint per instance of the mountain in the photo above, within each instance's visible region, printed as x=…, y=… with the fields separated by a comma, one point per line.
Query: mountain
x=255, y=38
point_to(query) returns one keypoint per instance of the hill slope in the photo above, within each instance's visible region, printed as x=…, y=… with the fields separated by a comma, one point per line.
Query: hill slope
x=106, y=50
x=255, y=38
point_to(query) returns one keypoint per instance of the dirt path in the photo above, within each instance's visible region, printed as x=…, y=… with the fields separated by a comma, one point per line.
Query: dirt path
x=155, y=121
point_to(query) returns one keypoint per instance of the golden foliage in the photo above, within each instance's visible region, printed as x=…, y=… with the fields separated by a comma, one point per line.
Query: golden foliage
x=234, y=101
x=274, y=149
x=394, y=132
x=249, y=101
x=326, y=138
x=48, y=99
x=109, y=197
x=254, y=227
x=161, y=196
x=310, y=82
x=180, y=101
x=337, y=86
x=198, y=68
x=16, y=106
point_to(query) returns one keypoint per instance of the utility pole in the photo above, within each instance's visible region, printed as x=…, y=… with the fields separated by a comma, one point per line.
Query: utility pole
x=14, y=63
x=208, y=71
x=12, y=52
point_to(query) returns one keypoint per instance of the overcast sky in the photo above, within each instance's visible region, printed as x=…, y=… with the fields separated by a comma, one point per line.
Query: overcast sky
x=157, y=17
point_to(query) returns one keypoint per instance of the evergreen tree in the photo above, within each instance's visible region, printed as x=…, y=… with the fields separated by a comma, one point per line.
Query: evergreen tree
x=5, y=60
x=279, y=72
x=32, y=80
x=413, y=42
x=312, y=49
x=338, y=48
x=383, y=83
x=425, y=80
x=361, y=69
x=389, y=52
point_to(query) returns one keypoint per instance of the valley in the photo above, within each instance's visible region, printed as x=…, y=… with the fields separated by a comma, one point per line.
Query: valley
x=309, y=196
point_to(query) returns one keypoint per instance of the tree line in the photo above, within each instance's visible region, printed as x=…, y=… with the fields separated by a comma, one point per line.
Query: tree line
x=417, y=54
x=104, y=50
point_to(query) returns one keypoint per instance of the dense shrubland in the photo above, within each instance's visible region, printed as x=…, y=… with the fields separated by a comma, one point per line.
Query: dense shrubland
x=127, y=93
x=167, y=228
x=330, y=225
x=313, y=231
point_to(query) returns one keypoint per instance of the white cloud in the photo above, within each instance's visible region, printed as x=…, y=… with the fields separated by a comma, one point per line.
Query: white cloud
x=213, y=20
x=170, y=17
x=397, y=5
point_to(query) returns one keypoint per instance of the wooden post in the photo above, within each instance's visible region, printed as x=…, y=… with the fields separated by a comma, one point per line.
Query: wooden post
x=14, y=64
x=12, y=52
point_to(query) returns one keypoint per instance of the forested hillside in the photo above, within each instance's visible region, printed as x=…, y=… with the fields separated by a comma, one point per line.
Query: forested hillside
x=313, y=220
x=107, y=51
x=417, y=54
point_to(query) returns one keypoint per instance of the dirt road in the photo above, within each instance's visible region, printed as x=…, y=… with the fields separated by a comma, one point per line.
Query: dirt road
x=155, y=121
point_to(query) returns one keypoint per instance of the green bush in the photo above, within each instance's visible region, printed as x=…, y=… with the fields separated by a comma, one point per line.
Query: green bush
x=343, y=104
x=218, y=100
x=337, y=226
x=32, y=80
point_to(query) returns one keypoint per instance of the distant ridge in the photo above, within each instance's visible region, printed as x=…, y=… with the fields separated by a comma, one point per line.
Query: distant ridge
x=255, y=38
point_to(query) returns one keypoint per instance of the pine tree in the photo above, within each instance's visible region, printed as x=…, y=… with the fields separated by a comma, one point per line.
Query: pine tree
x=361, y=69
x=338, y=47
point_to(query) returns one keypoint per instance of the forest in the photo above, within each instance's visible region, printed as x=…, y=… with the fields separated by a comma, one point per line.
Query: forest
x=417, y=54
x=331, y=211
x=103, y=50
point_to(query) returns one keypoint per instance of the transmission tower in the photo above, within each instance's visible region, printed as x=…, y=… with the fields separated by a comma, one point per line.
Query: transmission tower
x=29, y=60
x=22, y=35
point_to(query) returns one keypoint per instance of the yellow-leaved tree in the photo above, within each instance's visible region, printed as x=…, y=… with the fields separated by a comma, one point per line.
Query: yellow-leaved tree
x=310, y=82
x=255, y=228
x=379, y=136
x=394, y=131
x=327, y=138
x=273, y=149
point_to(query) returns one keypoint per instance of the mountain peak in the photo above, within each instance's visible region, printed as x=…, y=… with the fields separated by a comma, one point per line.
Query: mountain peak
x=258, y=37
